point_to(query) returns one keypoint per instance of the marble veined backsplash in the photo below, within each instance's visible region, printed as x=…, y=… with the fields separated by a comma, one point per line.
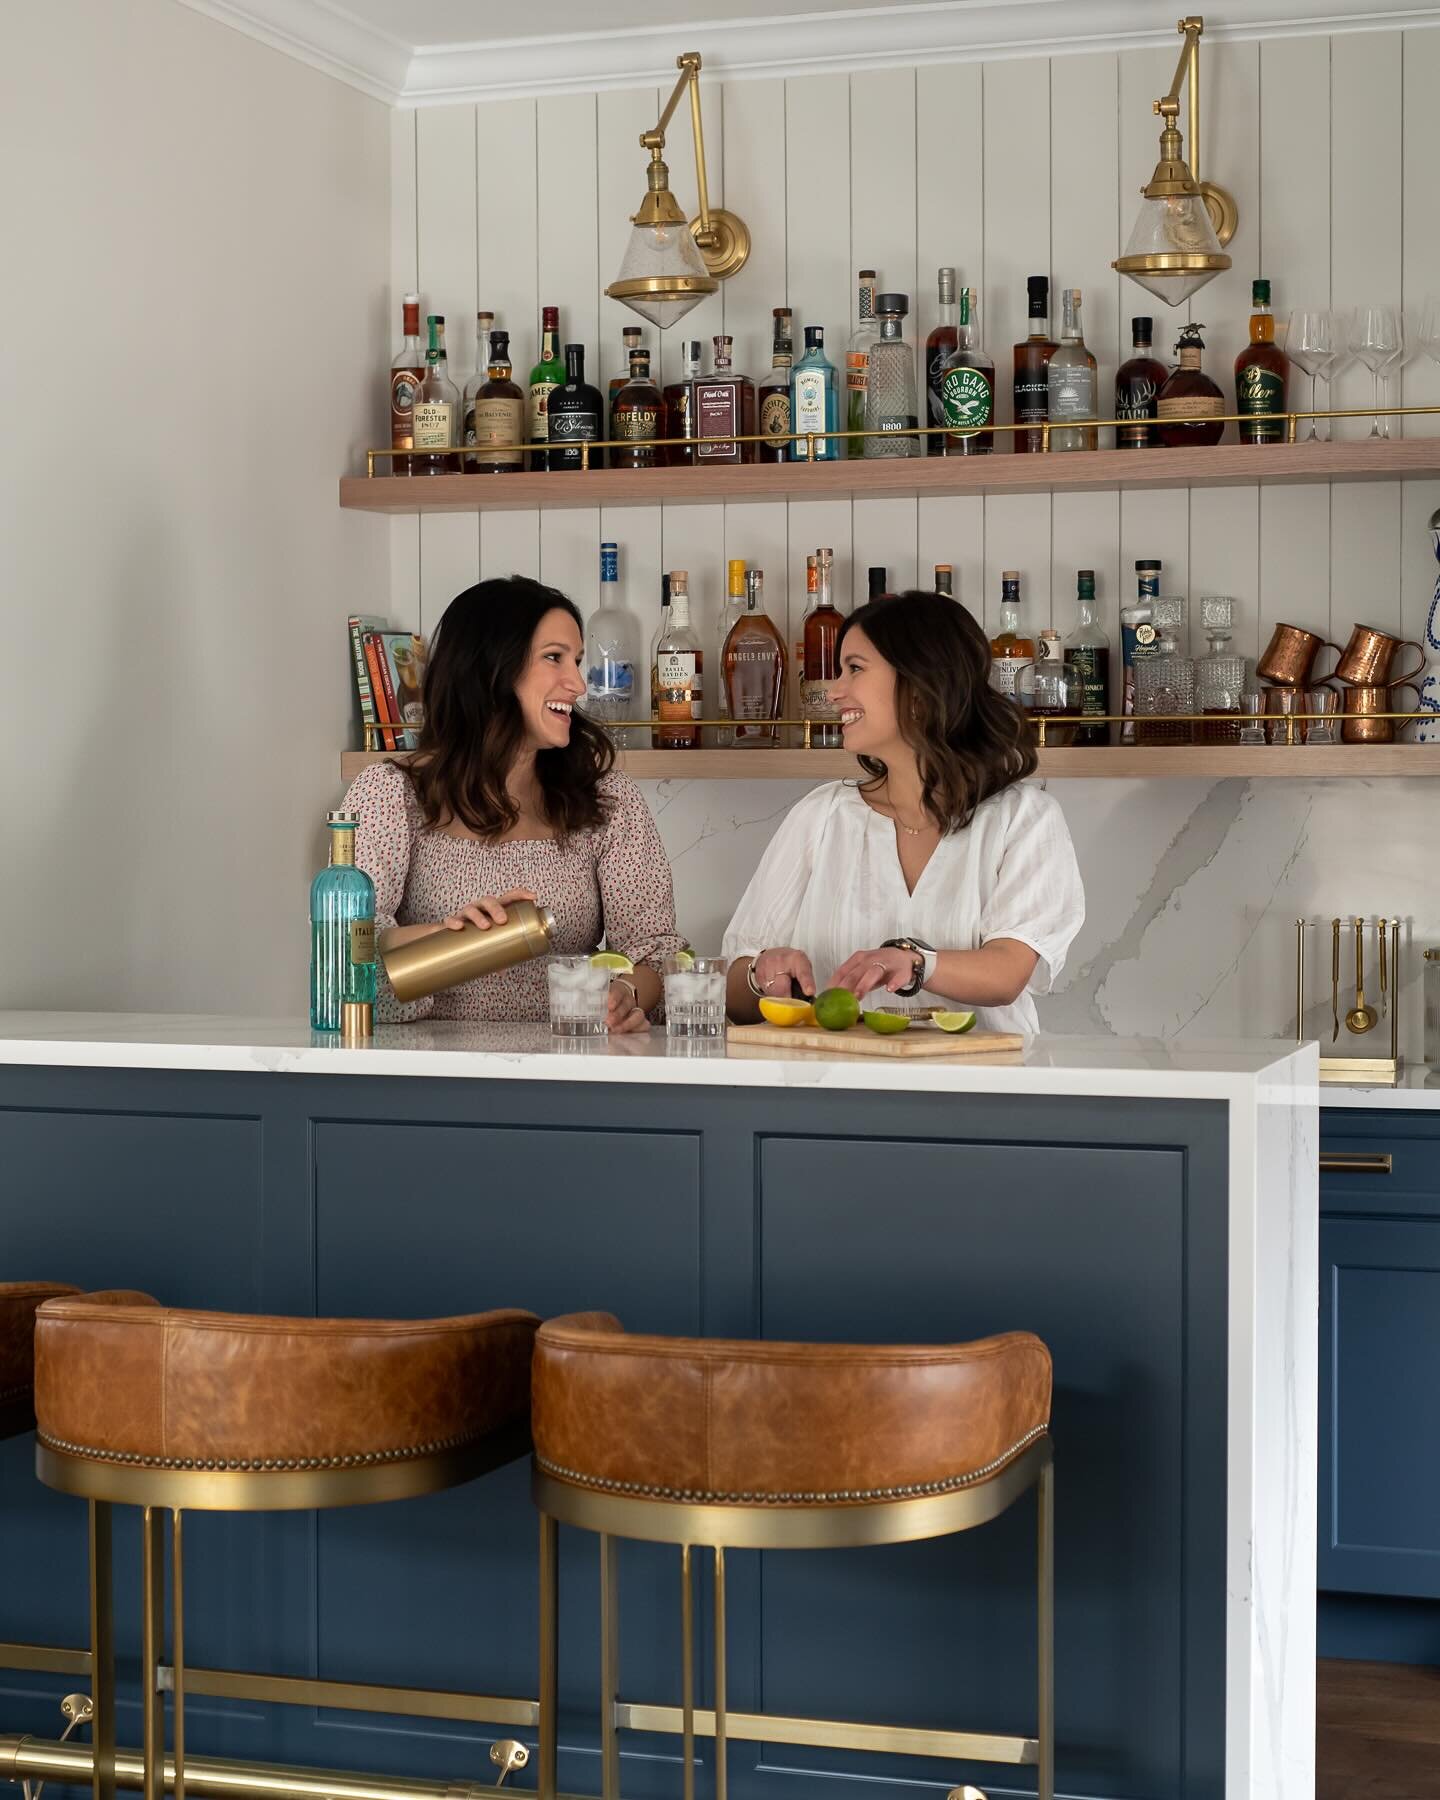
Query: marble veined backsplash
x=1192, y=891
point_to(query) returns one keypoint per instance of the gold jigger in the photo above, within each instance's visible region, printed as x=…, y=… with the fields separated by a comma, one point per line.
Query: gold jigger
x=1368, y=657
x=1289, y=659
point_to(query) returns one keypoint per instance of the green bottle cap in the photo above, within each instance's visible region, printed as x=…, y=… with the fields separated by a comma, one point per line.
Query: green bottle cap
x=1085, y=584
x=1260, y=293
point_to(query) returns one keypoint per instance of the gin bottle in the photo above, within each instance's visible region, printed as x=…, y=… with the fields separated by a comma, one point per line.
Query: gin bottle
x=610, y=650
x=814, y=399
x=342, y=931
x=892, y=407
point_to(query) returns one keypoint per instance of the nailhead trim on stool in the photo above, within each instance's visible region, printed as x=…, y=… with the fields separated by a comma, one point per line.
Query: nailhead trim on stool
x=256, y=1464
x=697, y=1497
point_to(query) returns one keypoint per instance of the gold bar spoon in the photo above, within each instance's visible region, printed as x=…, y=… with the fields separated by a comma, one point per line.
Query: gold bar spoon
x=1361, y=1018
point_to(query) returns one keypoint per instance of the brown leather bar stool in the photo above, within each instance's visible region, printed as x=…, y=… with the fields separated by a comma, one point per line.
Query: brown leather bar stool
x=148, y=1406
x=774, y=1446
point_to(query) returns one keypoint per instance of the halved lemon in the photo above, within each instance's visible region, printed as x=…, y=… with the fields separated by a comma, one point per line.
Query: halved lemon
x=612, y=959
x=787, y=1012
x=886, y=1023
x=954, y=1021
x=684, y=959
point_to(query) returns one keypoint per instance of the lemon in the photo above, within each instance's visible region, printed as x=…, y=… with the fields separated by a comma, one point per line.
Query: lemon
x=787, y=1012
x=837, y=1009
x=886, y=1023
x=684, y=959
x=954, y=1021
x=612, y=959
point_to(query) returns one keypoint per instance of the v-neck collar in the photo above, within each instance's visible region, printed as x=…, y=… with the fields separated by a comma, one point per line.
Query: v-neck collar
x=875, y=819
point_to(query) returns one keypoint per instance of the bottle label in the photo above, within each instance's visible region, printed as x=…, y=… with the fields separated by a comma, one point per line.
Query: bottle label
x=1086, y=661
x=573, y=425
x=809, y=400
x=1135, y=398
x=610, y=680
x=362, y=940
x=717, y=412
x=1261, y=390
x=857, y=370
x=540, y=392
x=678, y=673
x=470, y=421
x=636, y=422
x=498, y=421
x=433, y=421
x=1032, y=399
x=816, y=704
x=775, y=413
x=404, y=385
x=1072, y=393
x=968, y=400
x=1005, y=674
x=1182, y=406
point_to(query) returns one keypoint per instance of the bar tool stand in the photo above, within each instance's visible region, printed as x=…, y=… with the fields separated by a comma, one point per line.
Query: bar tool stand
x=1350, y=1053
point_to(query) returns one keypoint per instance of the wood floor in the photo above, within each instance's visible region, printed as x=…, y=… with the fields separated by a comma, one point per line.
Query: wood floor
x=1377, y=1732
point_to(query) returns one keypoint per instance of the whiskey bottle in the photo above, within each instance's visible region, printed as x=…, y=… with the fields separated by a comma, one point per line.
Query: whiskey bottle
x=753, y=669
x=637, y=419
x=660, y=630
x=407, y=371
x=1138, y=382
x=1087, y=651
x=820, y=660
x=877, y=584
x=633, y=338
x=967, y=386
x=680, y=666
x=1189, y=392
x=1261, y=374
x=724, y=411
x=499, y=415
x=1032, y=369
x=797, y=660
x=1137, y=637
x=774, y=393
x=857, y=361
x=545, y=377
x=680, y=407
x=436, y=411
x=576, y=415
x=484, y=325
x=1071, y=377
x=610, y=650
x=342, y=931
x=1010, y=650
x=945, y=580
x=730, y=615
x=938, y=349
x=892, y=406
x=815, y=401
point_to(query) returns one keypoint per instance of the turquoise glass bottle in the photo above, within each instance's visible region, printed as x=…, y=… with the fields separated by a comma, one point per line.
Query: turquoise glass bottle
x=815, y=399
x=342, y=930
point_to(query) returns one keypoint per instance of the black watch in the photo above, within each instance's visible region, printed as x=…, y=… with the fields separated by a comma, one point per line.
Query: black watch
x=924, y=955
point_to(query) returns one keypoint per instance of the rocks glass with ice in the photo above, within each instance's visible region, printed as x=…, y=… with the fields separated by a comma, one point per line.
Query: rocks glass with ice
x=695, y=997
x=579, y=996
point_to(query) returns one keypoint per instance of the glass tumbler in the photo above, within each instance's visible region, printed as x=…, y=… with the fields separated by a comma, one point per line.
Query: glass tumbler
x=579, y=997
x=1325, y=727
x=695, y=997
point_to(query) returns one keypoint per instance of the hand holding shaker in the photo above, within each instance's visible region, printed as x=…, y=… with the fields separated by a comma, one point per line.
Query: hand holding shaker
x=445, y=959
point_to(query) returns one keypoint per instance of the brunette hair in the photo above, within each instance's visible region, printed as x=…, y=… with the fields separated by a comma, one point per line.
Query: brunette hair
x=969, y=741
x=473, y=726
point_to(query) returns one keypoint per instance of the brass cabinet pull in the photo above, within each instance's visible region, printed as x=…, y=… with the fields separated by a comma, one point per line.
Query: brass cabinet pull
x=1338, y=1164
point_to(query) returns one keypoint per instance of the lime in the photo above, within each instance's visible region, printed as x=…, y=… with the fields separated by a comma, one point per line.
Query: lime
x=787, y=1012
x=612, y=959
x=886, y=1023
x=684, y=959
x=954, y=1021
x=837, y=1009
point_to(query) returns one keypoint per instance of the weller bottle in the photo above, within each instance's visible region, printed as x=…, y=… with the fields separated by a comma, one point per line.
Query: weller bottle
x=342, y=937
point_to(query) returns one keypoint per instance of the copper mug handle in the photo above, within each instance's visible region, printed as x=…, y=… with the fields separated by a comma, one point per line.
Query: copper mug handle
x=1408, y=678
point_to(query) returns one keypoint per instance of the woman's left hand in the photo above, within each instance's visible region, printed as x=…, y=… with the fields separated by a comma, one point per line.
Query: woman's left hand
x=869, y=970
x=624, y=1014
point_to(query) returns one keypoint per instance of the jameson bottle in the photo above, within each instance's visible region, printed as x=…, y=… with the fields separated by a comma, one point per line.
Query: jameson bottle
x=774, y=393
x=1261, y=372
x=1137, y=389
x=1087, y=653
x=342, y=936
x=407, y=371
x=967, y=386
x=545, y=377
x=938, y=347
x=857, y=361
x=1032, y=369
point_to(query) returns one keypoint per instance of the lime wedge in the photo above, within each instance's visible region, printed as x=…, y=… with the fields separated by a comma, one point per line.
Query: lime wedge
x=612, y=959
x=684, y=959
x=886, y=1023
x=954, y=1021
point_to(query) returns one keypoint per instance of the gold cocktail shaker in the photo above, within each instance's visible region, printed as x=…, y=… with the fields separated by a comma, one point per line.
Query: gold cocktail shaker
x=445, y=959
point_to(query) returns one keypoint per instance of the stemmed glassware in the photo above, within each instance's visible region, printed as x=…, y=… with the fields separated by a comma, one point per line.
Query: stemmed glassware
x=1310, y=345
x=1376, y=339
x=1427, y=338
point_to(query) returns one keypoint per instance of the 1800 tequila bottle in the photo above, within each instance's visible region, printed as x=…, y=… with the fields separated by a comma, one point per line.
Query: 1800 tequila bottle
x=342, y=932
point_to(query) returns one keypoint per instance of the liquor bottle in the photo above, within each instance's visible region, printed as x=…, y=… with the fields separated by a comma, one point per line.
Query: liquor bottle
x=857, y=361
x=1010, y=650
x=407, y=371
x=774, y=393
x=1032, y=369
x=877, y=584
x=815, y=401
x=499, y=415
x=753, y=669
x=1137, y=637
x=610, y=650
x=342, y=932
x=1261, y=373
x=634, y=339
x=938, y=349
x=680, y=668
x=1189, y=392
x=545, y=377
x=484, y=325
x=660, y=630
x=1071, y=378
x=725, y=410
x=637, y=418
x=576, y=415
x=1138, y=382
x=797, y=660
x=1087, y=650
x=945, y=580
x=1050, y=688
x=730, y=615
x=967, y=386
x=1165, y=682
x=820, y=659
x=1220, y=676
x=436, y=412
x=892, y=406
x=680, y=406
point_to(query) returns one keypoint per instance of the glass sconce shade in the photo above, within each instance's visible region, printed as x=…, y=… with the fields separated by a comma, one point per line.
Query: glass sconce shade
x=663, y=273
x=1173, y=250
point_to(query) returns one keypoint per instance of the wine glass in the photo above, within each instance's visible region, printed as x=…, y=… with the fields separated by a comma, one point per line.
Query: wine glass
x=1375, y=338
x=1310, y=345
x=1427, y=338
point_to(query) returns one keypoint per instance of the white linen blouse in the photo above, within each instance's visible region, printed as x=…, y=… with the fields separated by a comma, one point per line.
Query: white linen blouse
x=830, y=884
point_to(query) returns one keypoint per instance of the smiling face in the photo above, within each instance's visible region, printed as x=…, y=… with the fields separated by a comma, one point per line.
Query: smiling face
x=551, y=682
x=864, y=693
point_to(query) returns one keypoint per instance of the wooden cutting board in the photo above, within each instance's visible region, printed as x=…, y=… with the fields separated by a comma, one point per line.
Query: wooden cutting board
x=859, y=1040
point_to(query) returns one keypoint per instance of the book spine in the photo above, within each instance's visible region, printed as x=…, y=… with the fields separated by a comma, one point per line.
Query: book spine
x=375, y=657
x=362, y=676
x=399, y=741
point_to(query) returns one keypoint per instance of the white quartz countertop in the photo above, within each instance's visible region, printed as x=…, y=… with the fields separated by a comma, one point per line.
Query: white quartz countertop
x=1193, y=1069
x=1418, y=1090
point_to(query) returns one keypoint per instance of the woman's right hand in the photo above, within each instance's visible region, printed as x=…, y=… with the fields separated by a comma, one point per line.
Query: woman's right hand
x=775, y=969
x=488, y=910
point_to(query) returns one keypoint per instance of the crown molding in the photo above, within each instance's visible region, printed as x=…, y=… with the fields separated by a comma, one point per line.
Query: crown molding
x=324, y=35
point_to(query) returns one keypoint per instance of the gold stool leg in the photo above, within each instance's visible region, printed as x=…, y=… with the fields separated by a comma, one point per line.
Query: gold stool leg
x=549, y=1655
x=152, y=1703
x=720, y=1770
x=687, y=1675
x=609, y=1668
x=102, y=1651
x=177, y=1650
x=1045, y=1559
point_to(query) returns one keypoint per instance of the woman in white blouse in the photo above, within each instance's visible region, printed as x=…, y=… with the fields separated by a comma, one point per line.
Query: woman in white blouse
x=943, y=877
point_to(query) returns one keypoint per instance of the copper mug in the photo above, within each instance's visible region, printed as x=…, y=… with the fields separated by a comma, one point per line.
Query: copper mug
x=1368, y=657
x=1289, y=660
x=1362, y=704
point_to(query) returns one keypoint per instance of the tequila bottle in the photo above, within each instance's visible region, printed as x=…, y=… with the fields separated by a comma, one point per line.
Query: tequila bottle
x=1011, y=651
x=892, y=407
x=967, y=386
x=1087, y=651
x=753, y=669
x=1165, y=682
x=774, y=393
x=342, y=930
x=1138, y=382
x=857, y=361
x=1072, y=382
x=1220, y=676
x=815, y=400
x=610, y=650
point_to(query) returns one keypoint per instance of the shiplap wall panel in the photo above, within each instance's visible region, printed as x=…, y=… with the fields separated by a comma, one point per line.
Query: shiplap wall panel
x=754, y=126
x=404, y=534
x=1365, y=190
x=1419, y=499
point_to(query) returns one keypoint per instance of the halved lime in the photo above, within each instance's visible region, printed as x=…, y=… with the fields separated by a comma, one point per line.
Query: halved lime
x=612, y=959
x=886, y=1023
x=837, y=1009
x=954, y=1021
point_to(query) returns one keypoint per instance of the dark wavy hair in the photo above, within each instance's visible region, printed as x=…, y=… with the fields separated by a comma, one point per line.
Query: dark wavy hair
x=474, y=729
x=969, y=741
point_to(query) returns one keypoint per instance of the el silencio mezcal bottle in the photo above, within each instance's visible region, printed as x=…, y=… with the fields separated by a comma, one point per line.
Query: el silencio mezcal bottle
x=342, y=933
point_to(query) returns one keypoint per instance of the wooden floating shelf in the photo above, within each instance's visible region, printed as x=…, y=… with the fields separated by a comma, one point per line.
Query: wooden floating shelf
x=1199, y=762
x=1221, y=465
